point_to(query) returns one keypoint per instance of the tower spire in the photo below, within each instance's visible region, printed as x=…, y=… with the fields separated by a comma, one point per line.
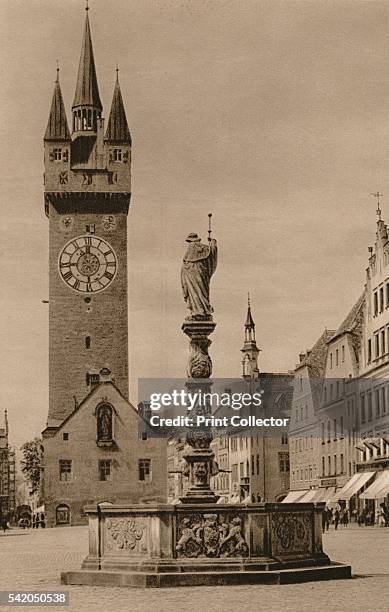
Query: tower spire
x=117, y=128
x=87, y=105
x=249, y=319
x=250, y=350
x=57, y=126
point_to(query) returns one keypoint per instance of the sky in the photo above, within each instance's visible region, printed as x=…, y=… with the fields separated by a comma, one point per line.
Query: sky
x=271, y=115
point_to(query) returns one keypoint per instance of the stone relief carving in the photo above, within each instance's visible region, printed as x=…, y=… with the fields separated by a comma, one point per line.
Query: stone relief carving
x=211, y=535
x=291, y=532
x=200, y=364
x=108, y=223
x=66, y=223
x=126, y=534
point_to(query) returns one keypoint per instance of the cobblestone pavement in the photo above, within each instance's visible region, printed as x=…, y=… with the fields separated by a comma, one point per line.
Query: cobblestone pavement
x=33, y=560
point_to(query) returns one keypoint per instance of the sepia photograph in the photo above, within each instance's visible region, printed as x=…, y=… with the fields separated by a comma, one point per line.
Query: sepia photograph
x=194, y=254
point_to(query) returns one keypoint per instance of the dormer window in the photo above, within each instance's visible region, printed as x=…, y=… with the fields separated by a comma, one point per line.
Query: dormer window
x=104, y=414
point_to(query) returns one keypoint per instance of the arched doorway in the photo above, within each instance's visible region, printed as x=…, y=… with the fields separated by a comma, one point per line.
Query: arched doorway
x=62, y=515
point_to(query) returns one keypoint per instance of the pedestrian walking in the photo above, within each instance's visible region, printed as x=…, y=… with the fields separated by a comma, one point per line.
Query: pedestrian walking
x=329, y=518
x=336, y=519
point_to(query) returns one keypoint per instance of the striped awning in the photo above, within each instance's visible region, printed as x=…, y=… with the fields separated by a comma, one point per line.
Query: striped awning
x=379, y=488
x=353, y=486
x=309, y=496
x=294, y=496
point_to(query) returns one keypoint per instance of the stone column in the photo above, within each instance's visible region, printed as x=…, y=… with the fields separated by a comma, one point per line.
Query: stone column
x=197, y=453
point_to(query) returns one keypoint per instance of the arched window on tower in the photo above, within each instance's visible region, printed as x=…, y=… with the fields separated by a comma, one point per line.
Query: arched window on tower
x=104, y=414
x=87, y=342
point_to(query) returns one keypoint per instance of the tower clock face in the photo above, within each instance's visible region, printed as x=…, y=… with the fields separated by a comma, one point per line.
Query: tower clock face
x=87, y=264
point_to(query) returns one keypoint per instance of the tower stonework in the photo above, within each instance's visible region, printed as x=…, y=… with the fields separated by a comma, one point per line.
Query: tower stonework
x=87, y=197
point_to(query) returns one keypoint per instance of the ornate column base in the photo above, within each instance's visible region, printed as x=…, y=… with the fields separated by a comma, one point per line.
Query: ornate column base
x=199, y=462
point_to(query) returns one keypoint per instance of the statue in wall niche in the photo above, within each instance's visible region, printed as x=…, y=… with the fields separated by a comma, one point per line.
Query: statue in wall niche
x=198, y=266
x=104, y=423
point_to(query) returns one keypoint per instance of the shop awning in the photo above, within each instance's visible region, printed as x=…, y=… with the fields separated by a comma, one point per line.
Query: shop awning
x=307, y=496
x=294, y=496
x=354, y=485
x=379, y=488
x=325, y=495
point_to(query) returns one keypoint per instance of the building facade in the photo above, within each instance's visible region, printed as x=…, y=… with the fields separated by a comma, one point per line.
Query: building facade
x=373, y=446
x=258, y=465
x=87, y=198
x=304, y=440
x=7, y=476
x=97, y=456
x=338, y=410
x=352, y=418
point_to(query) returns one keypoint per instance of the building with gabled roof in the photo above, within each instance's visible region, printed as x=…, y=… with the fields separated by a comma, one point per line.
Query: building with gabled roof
x=304, y=443
x=97, y=455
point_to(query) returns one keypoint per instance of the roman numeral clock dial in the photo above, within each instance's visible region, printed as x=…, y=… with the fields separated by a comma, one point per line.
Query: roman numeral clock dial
x=87, y=264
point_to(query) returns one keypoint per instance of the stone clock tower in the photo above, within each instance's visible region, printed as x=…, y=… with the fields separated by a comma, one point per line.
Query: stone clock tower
x=87, y=197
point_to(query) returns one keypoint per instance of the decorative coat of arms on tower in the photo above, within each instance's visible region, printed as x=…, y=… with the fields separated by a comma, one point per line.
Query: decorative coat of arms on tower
x=108, y=223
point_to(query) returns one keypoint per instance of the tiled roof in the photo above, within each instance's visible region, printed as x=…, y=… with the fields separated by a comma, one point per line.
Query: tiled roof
x=316, y=358
x=351, y=320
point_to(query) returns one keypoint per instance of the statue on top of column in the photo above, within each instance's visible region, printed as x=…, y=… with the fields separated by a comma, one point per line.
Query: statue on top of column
x=198, y=266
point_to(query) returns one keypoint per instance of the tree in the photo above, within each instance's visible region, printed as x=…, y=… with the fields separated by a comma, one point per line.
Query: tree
x=31, y=463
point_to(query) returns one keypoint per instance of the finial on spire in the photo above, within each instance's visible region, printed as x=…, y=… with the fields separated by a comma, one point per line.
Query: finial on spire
x=378, y=195
x=87, y=5
x=248, y=299
x=57, y=79
x=117, y=72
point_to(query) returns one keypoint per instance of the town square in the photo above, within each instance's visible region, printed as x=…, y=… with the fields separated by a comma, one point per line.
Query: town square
x=32, y=561
x=195, y=252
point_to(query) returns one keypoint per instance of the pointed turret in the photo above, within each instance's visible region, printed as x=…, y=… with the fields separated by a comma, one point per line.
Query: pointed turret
x=249, y=325
x=249, y=319
x=250, y=350
x=87, y=105
x=117, y=128
x=57, y=127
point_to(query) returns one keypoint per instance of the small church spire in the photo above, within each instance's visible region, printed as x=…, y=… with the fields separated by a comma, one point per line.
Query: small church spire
x=117, y=128
x=250, y=350
x=249, y=319
x=87, y=105
x=57, y=127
